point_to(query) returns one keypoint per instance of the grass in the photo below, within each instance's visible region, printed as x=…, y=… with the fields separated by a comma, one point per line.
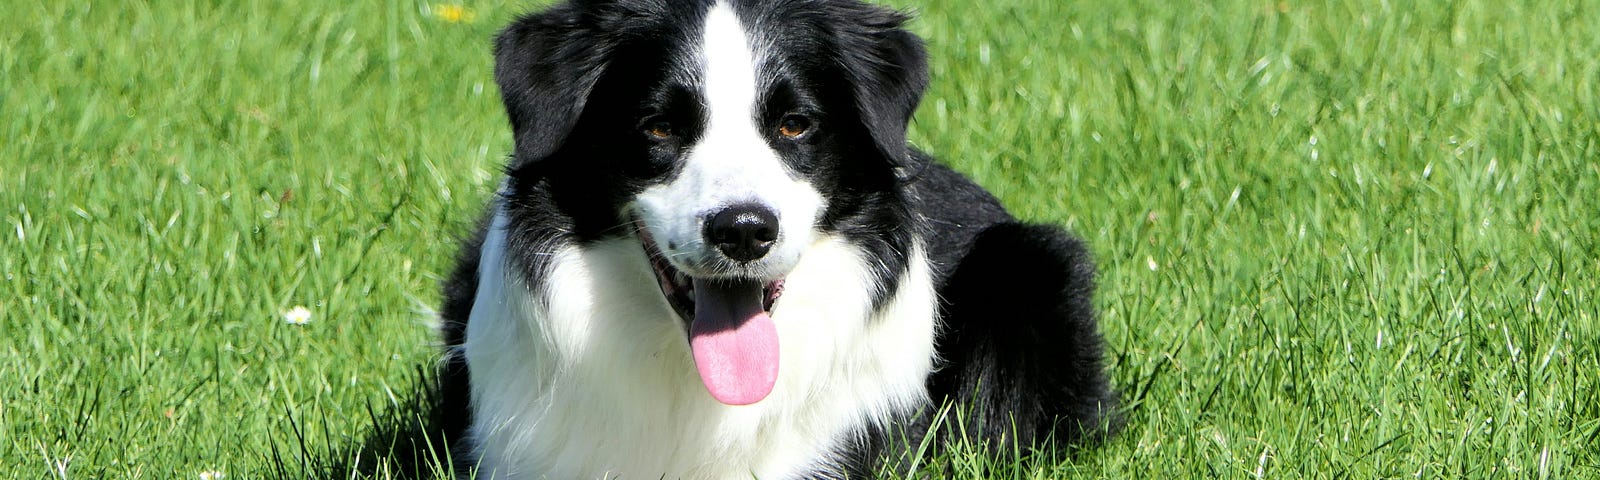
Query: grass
x=1335, y=240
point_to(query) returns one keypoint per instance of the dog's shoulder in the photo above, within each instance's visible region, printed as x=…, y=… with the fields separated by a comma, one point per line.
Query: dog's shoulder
x=953, y=208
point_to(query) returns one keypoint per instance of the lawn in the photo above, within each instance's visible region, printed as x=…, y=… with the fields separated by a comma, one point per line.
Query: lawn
x=1342, y=239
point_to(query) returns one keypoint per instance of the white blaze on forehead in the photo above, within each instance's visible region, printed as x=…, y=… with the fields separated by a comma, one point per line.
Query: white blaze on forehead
x=730, y=70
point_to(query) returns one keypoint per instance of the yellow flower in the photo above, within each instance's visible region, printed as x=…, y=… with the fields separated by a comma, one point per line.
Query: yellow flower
x=297, y=316
x=452, y=13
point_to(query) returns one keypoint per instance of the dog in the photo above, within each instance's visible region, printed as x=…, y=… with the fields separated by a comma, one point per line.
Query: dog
x=714, y=255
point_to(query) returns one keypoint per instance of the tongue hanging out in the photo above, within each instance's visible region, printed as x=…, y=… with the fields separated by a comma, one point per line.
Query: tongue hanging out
x=734, y=341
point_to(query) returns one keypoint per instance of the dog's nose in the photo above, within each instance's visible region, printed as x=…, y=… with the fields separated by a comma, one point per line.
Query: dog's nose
x=743, y=232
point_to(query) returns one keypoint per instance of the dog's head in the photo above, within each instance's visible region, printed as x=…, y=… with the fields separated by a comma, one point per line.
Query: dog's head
x=725, y=135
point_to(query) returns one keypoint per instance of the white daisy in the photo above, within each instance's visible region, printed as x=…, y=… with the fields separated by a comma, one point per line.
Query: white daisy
x=298, y=315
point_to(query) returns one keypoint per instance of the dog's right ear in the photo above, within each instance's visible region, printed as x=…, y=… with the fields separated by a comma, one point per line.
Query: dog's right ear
x=546, y=65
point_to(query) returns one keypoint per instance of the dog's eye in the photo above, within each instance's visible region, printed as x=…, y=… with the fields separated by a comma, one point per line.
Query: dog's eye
x=793, y=126
x=660, y=130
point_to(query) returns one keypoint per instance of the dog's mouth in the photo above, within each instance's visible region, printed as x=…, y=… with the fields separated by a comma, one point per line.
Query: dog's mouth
x=729, y=325
x=679, y=287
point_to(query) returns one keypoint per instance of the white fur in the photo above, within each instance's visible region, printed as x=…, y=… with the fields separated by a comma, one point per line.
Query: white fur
x=731, y=164
x=589, y=375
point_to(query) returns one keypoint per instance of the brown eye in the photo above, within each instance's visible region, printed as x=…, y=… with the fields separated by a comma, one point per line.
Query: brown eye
x=793, y=126
x=659, y=130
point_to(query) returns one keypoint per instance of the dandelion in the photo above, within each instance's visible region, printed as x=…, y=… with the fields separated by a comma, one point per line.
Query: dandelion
x=211, y=475
x=452, y=13
x=298, y=315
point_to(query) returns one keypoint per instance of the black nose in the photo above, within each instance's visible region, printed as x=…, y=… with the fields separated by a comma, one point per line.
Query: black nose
x=743, y=232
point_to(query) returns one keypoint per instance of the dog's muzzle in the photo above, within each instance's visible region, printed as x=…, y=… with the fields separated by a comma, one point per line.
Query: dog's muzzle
x=727, y=317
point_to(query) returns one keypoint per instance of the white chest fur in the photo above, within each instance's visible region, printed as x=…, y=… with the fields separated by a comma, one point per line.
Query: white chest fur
x=588, y=374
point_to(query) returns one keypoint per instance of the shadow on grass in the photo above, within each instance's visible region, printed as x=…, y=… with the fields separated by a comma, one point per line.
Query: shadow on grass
x=406, y=439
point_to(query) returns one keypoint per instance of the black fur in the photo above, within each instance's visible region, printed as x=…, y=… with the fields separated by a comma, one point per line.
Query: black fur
x=1021, y=341
x=1020, y=344
x=1022, y=351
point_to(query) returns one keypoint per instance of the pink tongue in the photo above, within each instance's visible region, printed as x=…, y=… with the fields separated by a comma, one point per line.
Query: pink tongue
x=735, y=343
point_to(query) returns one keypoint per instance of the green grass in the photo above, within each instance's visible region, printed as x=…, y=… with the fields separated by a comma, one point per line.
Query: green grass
x=1335, y=240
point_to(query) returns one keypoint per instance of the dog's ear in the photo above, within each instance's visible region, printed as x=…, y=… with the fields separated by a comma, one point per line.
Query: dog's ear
x=546, y=65
x=890, y=73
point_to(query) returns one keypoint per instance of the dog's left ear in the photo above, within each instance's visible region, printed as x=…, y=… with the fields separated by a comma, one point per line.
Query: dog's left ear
x=890, y=74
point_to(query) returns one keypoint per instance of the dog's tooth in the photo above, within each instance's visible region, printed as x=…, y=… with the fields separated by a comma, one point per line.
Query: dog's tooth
x=682, y=279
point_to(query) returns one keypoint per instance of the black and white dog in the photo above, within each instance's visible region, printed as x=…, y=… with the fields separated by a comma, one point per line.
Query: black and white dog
x=715, y=256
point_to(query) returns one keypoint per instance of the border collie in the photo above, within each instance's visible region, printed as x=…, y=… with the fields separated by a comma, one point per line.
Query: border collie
x=715, y=256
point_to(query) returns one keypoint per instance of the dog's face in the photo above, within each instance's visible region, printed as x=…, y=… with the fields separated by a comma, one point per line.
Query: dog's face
x=739, y=203
x=725, y=136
